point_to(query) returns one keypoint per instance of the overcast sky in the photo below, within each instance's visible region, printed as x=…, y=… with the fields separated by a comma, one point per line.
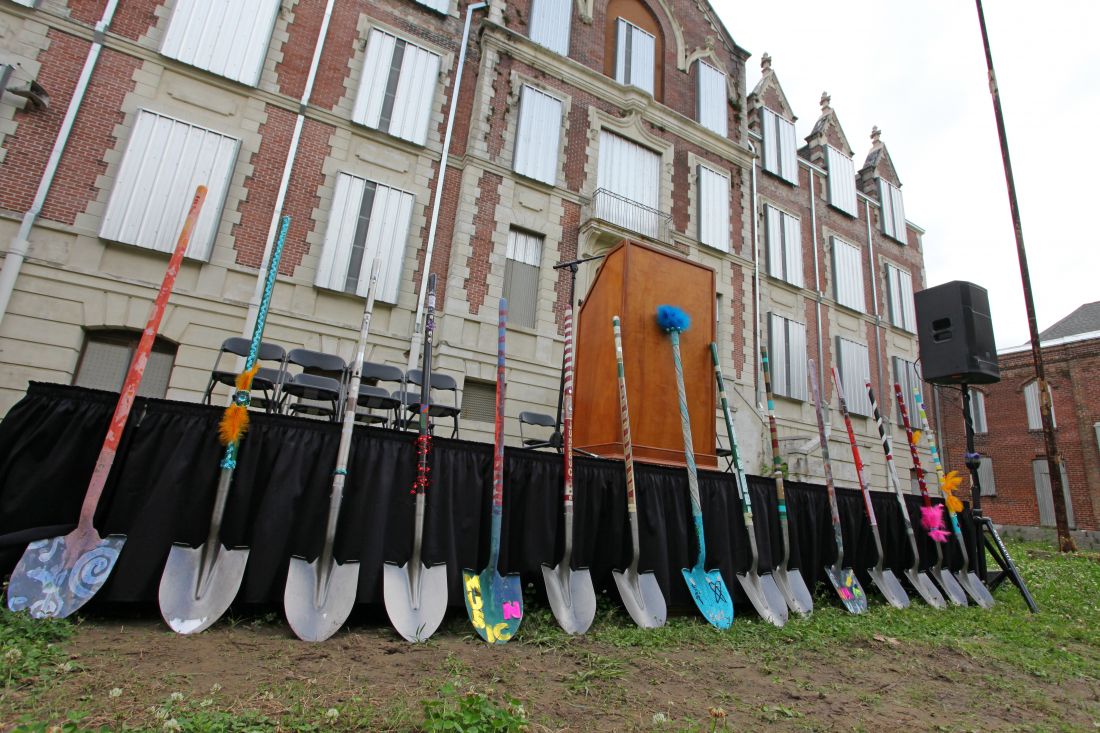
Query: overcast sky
x=917, y=70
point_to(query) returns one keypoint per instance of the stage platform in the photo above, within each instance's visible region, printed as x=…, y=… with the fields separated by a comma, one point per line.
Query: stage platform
x=162, y=487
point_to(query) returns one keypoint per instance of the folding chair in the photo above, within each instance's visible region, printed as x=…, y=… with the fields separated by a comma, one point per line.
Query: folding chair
x=440, y=382
x=267, y=380
x=373, y=397
x=538, y=419
x=321, y=381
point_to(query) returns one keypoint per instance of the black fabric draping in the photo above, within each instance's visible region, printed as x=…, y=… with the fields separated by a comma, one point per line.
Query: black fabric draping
x=162, y=486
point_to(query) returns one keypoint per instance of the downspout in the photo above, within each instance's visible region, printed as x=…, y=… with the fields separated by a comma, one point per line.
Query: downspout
x=757, y=378
x=284, y=182
x=874, y=292
x=817, y=280
x=414, y=346
x=17, y=251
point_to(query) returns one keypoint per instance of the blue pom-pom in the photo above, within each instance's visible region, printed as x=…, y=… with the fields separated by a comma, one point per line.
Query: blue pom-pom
x=670, y=318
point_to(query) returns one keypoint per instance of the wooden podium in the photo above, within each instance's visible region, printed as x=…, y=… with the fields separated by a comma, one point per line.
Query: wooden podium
x=632, y=281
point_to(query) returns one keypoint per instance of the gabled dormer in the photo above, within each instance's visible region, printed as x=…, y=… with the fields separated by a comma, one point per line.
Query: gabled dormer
x=879, y=179
x=771, y=116
x=827, y=146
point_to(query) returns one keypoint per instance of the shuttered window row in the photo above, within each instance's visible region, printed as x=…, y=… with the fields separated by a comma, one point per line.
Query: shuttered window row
x=229, y=39
x=848, y=275
x=521, y=277
x=538, y=134
x=855, y=371
x=634, y=55
x=842, y=181
x=779, y=146
x=787, y=356
x=397, y=87
x=165, y=160
x=549, y=25
x=713, y=196
x=784, y=245
x=899, y=287
x=1034, y=409
x=710, y=98
x=906, y=374
x=367, y=220
x=893, y=211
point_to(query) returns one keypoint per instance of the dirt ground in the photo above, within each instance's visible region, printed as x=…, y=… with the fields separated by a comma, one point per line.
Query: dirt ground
x=576, y=685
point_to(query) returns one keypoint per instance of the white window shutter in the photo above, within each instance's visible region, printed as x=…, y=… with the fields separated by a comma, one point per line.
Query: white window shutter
x=1034, y=409
x=632, y=172
x=375, y=74
x=792, y=249
x=412, y=103
x=855, y=372
x=549, y=25
x=401, y=103
x=622, y=33
x=26, y=3
x=343, y=219
x=977, y=411
x=842, y=181
x=898, y=209
x=848, y=275
x=642, y=61
x=773, y=233
x=777, y=353
x=538, y=133
x=165, y=161
x=1044, y=493
x=710, y=98
x=521, y=277
x=229, y=39
x=893, y=211
x=713, y=199
x=439, y=6
x=797, y=360
x=788, y=160
x=771, y=140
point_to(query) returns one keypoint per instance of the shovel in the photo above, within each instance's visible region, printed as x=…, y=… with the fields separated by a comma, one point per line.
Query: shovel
x=883, y=577
x=569, y=591
x=843, y=578
x=708, y=589
x=763, y=593
x=495, y=602
x=952, y=588
x=415, y=594
x=57, y=575
x=199, y=583
x=921, y=583
x=965, y=576
x=640, y=592
x=790, y=582
x=319, y=595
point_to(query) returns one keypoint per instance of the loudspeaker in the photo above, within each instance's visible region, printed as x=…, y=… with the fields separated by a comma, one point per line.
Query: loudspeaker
x=956, y=335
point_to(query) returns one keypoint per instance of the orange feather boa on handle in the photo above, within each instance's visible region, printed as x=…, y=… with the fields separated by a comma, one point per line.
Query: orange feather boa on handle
x=234, y=421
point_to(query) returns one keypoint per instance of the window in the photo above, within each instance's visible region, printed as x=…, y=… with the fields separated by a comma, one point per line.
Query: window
x=1040, y=471
x=229, y=39
x=105, y=361
x=631, y=175
x=779, y=147
x=985, y=476
x=397, y=87
x=367, y=220
x=521, y=277
x=784, y=244
x=848, y=275
x=479, y=400
x=165, y=161
x=787, y=356
x=710, y=98
x=713, y=199
x=549, y=24
x=439, y=6
x=1034, y=409
x=537, y=135
x=893, y=212
x=977, y=411
x=899, y=287
x=855, y=371
x=634, y=55
x=907, y=375
x=842, y=181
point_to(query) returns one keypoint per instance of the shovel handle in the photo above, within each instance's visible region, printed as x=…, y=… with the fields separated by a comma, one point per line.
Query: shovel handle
x=864, y=488
x=624, y=414
x=567, y=411
x=830, y=489
x=735, y=454
x=938, y=463
x=904, y=413
x=498, y=439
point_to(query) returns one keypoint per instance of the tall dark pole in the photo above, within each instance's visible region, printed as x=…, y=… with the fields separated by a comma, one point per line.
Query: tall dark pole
x=1054, y=461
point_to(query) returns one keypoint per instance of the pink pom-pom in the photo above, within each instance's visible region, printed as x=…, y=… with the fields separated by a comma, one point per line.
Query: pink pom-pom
x=932, y=517
x=939, y=535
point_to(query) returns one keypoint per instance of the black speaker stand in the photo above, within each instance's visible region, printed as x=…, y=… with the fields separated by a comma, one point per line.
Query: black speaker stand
x=987, y=536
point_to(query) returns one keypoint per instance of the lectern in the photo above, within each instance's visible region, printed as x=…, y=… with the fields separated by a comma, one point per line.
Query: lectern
x=632, y=281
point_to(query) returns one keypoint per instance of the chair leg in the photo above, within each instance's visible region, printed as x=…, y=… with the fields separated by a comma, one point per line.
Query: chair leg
x=209, y=392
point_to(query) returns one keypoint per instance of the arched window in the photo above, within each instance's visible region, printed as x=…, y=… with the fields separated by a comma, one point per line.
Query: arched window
x=106, y=356
x=634, y=46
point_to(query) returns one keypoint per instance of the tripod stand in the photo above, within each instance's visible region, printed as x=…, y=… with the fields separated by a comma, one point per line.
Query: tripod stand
x=987, y=536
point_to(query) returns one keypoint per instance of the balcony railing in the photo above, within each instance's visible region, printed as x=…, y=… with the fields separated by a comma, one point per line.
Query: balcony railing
x=628, y=214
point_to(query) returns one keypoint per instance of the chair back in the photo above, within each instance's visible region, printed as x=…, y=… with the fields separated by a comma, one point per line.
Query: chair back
x=374, y=372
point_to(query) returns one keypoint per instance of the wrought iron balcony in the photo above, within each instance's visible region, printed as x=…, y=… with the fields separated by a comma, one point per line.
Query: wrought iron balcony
x=614, y=209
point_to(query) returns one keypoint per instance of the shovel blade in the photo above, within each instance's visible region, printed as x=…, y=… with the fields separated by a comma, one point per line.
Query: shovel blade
x=53, y=578
x=976, y=588
x=495, y=604
x=848, y=588
x=571, y=596
x=889, y=586
x=924, y=587
x=765, y=597
x=794, y=590
x=711, y=596
x=951, y=587
x=415, y=612
x=642, y=597
x=192, y=600
x=316, y=607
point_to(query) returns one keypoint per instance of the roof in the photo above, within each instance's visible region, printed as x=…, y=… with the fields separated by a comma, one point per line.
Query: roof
x=1085, y=319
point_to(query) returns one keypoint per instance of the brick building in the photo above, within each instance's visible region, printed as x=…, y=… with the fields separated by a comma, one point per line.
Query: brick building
x=1008, y=429
x=577, y=124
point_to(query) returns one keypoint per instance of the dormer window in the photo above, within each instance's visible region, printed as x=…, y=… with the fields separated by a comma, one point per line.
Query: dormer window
x=779, y=146
x=710, y=98
x=634, y=55
x=842, y=181
x=549, y=25
x=893, y=212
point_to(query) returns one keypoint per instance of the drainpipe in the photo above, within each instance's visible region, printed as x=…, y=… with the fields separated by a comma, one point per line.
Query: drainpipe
x=17, y=250
x=414, y=347
x=757, y=378
x=284, y=182
x=874, y=291
x=817, y=280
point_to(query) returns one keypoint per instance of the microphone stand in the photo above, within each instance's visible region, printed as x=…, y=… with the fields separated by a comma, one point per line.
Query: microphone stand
x=556, y=439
